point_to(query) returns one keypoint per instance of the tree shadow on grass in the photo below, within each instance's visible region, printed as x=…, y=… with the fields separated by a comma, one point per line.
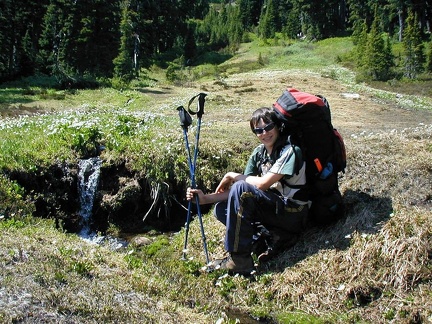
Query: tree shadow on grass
x=153, y=91
x=363, y=214
x=10, y=96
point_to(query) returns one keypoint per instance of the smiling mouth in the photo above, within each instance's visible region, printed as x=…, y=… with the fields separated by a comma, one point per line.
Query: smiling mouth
x=267, y=138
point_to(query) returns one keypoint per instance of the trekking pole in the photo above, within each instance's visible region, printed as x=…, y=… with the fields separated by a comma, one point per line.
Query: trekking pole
x=199, y=113
x=185, y=121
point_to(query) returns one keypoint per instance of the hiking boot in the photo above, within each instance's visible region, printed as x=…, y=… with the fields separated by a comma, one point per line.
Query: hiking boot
x=236, y=263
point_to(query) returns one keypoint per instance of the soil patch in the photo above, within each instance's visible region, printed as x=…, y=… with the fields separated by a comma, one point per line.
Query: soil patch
x=351, y=112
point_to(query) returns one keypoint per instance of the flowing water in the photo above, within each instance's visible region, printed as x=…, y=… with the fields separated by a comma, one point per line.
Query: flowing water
x=88, y=180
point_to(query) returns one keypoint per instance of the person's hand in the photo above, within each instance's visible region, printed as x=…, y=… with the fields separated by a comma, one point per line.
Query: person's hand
x=190, y=194
x=225, y=184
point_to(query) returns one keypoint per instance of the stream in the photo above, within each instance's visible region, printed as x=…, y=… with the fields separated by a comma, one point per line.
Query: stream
x=88, y=180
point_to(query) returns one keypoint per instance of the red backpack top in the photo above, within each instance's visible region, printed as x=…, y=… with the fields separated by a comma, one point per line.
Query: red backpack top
x=307, y=119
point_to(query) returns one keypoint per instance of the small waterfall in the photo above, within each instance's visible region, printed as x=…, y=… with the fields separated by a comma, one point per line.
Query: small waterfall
x=88, y=179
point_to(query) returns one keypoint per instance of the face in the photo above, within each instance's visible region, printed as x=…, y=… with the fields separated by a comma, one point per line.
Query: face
x=267, y=133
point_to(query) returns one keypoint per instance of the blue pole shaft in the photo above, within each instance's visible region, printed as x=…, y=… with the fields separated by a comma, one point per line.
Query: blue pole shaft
x=197, y=198
x=191, y=175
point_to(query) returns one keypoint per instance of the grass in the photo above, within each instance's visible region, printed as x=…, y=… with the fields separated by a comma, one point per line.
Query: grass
x=374, y=266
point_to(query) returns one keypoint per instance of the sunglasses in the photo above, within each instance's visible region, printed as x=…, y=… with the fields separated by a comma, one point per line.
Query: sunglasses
x=267, y=128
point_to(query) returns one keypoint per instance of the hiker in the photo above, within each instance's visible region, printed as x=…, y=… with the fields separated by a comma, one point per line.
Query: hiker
x=268, y=193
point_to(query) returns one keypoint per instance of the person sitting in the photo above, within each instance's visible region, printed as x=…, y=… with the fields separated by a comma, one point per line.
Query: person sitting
x=269, y=193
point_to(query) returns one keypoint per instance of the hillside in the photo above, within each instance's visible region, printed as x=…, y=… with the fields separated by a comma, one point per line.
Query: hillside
x=373, y=266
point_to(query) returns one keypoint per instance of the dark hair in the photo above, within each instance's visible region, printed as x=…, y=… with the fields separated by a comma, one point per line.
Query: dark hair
x=267, y=115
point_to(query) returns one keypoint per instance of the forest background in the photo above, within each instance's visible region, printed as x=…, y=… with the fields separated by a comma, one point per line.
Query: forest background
x=372, y=266
x=91, y=43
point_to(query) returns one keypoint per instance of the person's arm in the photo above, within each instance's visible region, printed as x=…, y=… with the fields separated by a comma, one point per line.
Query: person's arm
x=204, y=199
x=285, y=165
x=262, y=183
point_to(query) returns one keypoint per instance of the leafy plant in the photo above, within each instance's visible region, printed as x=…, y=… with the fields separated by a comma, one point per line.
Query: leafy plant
x=86, y=141
x=13, y=205
x=133, y=261
x=156, y=246
x=82, y=267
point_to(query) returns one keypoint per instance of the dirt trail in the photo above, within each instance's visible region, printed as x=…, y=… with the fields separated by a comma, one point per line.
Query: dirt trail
x=352, y=113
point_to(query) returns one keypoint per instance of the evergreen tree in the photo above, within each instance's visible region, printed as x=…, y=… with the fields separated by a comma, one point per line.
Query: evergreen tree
x=357, y=34
x=217, y=25
x=19, y=32
x=51, y=39
x=250, y=12
x=96, y=33
x=245, y=12
x=413, y=47
x=142, y=19
x=268, y=21
x=321, y=19
x=293, y=26
x=196, y=9
x=378, y=60
x=190, y=48
x=389, y=58
x=398, y=8
x=362, y=43
x=6, y=40
x=429, y=58
x=28, y=56
x=204, y=29
x=235, y=28
x=123, y=63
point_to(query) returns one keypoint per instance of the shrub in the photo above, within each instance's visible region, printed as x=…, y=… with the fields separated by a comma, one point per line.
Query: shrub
x=13, y=203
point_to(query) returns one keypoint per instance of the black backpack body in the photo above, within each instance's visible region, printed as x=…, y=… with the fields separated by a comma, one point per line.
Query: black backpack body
x=306, y=118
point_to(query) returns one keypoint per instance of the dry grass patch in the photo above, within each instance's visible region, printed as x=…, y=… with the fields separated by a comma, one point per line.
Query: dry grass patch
x=50, y=277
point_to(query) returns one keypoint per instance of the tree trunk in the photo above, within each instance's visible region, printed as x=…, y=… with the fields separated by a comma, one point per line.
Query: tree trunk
x=401, y=25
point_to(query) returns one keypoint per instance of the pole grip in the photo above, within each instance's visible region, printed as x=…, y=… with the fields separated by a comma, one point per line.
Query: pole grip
x=200, y=105
x=185, y=118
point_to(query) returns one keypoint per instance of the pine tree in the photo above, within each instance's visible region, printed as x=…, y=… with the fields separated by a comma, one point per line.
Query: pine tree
x=216, y=25
x=19, y=32
x=245, y=8
x=358, y=28
x=235, y=28
x=379, y=59
x=429, y=58
x=268, y=21
x=292, y=26
x=50, y=40
x=413, y=48
x=28, y=57
x=123, y=63
x=250, y=11
x=190, y=48
x=362, y=43
x=95, y=31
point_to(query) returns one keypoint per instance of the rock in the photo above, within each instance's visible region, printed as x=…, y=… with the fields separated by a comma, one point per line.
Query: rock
x=140, y=241
x=350, y=95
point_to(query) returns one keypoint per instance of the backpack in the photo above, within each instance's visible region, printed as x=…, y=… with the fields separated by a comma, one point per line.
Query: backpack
x=306, y=118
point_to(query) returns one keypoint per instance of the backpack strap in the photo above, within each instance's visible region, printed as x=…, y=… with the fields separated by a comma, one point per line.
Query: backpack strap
x=262, y=157
x=298, y=160
x=298, y=164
